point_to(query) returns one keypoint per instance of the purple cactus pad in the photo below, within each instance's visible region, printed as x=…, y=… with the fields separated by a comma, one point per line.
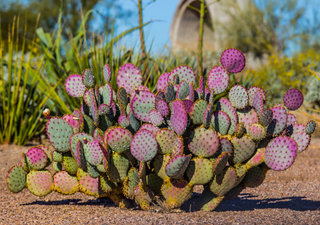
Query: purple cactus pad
x=144, y=146
x=218, y=80
x=163, y=82
x=179, y=118
x=129, y=77
x=74, y=86
x=184, y=72
x=293, y=99
x=233, y=60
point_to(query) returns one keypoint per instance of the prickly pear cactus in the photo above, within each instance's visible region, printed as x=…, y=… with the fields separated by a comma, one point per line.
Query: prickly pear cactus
x=134, y=145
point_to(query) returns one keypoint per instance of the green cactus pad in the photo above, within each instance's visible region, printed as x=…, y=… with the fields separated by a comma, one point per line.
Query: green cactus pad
x=24, y=163
x=135, y=124
x=257, y=103
x=122, y=97
x=240, y=130
x=225, y=106
x=207, y=117
x=106, y=185
x=65, y=183
x=48, y=152
x=224, y=182
x=257, y=159
x=197, y=111
x=241, y=171
x=89, y=97
x=118, y=168
x=266, y=118
x=144, y=145
x=70, y=164
x=310, y=127
x=118, y=139
x=57, y=166
x=177, y=147
x=129, y=77
x=159, y=164
x=220, y=163
x=220, y=122
x=39, y=183
x=142, y=103
x=57, y=156
x=92, y=171
x=252, y=91
x=204, y=143
x=179, y=117
x=106, y=92
x=80, y=156
x=36, y=159
x=93, y=152
x=16, y=179
x=243, y=148
x=184, y=73
x=176, y=192
x=155, y=183
x=254, y=177
x=98, y=135
x=88, y=78
x=90, y=186
x=257, y=132
x=247, y=116
x=155, y=117
x=77, y=114
x=59, y=133
x=302, y=139
x=176, y=167
x=183, y=90
x=170, y=93
x=107, y=73
x=238, y=97
x=88, y=125
x=130, y=183
x=101, y=168
x=208, y=201
x=143, y=196
x=199, y=171
x=73, y=122
x=165, y=139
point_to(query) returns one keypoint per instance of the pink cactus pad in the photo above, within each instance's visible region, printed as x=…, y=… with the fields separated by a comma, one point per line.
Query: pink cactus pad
x=257, y=158
x=225, y=145
x=141, y=105
x=177, y=147
x=98, y=135
x=280, y=153
x=77, y=114
x=129, y=77
x=252, y=91
x=302, y=139
x=123, y=121
x=191, y=92
x=233, y=60
x=220, y=122
x=103, y=109
x=107, y=94
x=204, y=143
x=257, y=132
x=218, y=80
x=177, y=166
x=238, y=97
x=291, y=119
x=298, y=127
x=183, y=90
x=165, y=139
x=178, y=118
x=144, y=146
x=118, y=139
x=155, y=117
x=188, y=105
x=225, y=106
x=162, y=107
x=74, y=141
x=163, y=82
x=107, y=73
x=184, y=72
x=65, y=183
x=39, y=183
x=36, y=158
x=293, y=99
x=73, y=122
x=247, y=117
x=279, y=121
x=93, y=152
x=257, y=103
x=153, y=129
x=206, y=91
x=74, y=86
x=88, y=185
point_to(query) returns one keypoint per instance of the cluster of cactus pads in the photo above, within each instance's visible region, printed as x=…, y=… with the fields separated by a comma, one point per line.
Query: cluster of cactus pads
x=136, y=145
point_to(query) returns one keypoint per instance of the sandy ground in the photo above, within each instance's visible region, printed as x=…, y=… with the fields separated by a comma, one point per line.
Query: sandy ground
x=288, y=197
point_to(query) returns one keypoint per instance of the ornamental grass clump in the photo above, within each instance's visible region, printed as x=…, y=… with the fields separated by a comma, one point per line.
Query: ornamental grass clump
x=136, y=146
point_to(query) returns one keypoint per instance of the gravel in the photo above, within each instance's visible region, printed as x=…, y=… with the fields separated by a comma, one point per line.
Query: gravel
x=288, y=197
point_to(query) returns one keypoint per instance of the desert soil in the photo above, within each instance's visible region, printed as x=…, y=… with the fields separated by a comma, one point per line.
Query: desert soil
x=287, y=197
